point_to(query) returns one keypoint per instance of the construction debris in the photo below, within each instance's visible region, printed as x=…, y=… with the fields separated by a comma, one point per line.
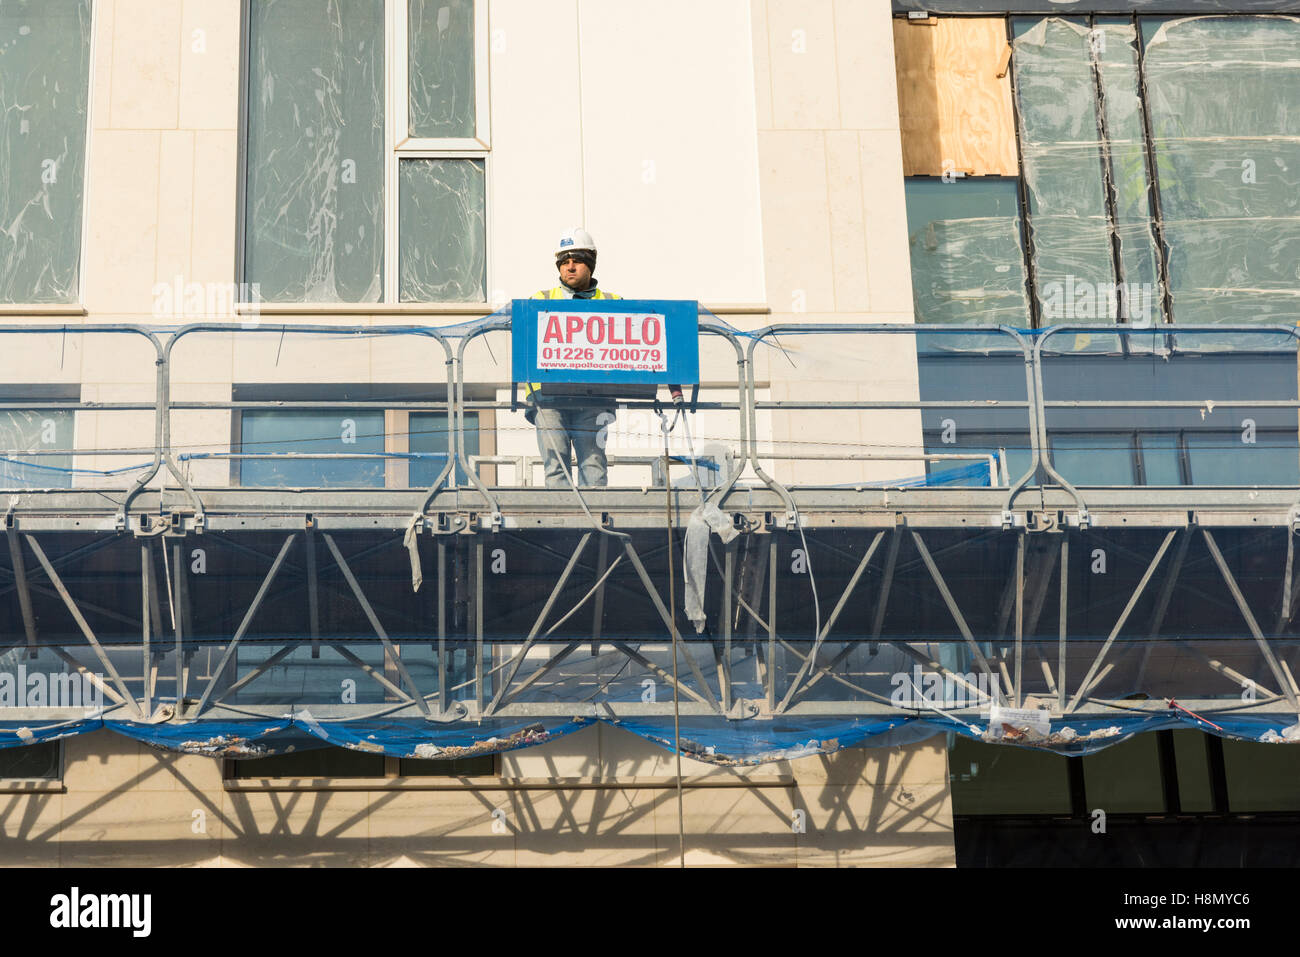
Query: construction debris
x=1289, y=735
x=224, y=746
x=533, y=734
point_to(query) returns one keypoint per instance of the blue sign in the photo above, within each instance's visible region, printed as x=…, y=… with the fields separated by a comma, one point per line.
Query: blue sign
x=627, y=341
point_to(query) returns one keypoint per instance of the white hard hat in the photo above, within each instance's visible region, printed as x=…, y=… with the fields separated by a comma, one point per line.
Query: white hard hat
x=575, y=240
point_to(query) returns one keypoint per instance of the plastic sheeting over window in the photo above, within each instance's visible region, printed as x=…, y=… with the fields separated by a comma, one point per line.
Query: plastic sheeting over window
x=44, y=82
x=1220, y=99
x=1077, y=88
x=39, y=433
x=441, y=73
x=1224, y=101
x=967, y=260
x=315, y=181
x=442, y=230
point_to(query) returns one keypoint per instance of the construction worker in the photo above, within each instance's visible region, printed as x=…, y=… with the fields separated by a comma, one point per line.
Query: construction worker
x=581, y=418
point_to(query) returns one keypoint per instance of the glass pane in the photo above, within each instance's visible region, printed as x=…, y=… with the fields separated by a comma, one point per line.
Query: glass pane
x=34, y=761
x=443, y=256
x=1224, y=98
x=1128, y=162
x=967, y=260
x=302, y=679
x=1227, y=458
x=429, y=435
x=996, y=779
x=327, y=762
x=315, y=191
x=44, y=79
x=1067, y=171
x=441, y=67
x=1160, y=460
x=1261, y=777
x=1094, y=459
x=31, y=431
x=482, y=766
x=1193, y=765
x=1125, y=778
x=306, y=432
x=1016, y=448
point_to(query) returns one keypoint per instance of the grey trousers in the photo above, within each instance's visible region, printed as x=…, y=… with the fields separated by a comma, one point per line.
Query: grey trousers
x=584, y=430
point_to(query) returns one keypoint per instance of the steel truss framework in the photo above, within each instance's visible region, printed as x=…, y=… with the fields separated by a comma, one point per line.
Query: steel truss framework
x=274, y=606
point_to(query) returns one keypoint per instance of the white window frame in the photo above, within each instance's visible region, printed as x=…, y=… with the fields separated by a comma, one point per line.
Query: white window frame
x=77, y=305
x=398, y=145
x=402, y=146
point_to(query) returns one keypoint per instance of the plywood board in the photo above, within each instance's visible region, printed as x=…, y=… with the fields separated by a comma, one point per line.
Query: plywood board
x=954, y=109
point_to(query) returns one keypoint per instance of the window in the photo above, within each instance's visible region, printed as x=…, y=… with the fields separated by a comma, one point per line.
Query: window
x=364, y=447
x=44, y=89
x=1156, y=164
x=332, y=762
x=993, y=779
x=1223, y=95
x=1223, y=458
x=366, y=151
x=336, y=432
x=32, y=762
x=1084, y=165
x=967, y=256
x=27, y=437
x=1182, y=771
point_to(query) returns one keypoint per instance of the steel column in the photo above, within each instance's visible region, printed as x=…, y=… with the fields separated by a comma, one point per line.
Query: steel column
x=728, y=575
x=1062, y=623
x=20, y=584
x=313, y=605
x=442, y=626
x=180, y=627
x=146, y=696
x=1020, y=619
x=598, y=608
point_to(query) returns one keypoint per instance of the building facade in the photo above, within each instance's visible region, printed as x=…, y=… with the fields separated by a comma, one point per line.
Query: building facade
x=275, y=514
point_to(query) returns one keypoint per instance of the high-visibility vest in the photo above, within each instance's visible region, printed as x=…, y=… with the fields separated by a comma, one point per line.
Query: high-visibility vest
x=562, y=292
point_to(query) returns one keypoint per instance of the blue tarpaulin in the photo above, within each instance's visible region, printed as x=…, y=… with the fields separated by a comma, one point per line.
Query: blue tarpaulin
x=711, y=740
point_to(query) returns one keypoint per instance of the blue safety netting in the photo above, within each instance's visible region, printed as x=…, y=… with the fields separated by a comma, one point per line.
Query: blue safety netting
x=713, y=741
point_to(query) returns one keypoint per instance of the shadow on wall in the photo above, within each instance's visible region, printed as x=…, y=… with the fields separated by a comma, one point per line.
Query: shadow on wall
x=129, y=805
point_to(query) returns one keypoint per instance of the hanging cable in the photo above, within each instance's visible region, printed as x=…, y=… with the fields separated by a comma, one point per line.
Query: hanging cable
x=812, y=581
x=665, y=427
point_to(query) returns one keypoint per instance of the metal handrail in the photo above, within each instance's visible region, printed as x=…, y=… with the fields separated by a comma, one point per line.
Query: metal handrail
x=503, y=323
x=160, y=395
x=888, y=328
x=299, y=328
x=454, y=342
x=1168, y=330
